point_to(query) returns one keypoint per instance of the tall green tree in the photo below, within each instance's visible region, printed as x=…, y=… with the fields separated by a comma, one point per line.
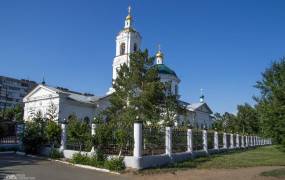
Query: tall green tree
x=79, y=133
x=247, y=119
x=271, y=102
x=138, y=93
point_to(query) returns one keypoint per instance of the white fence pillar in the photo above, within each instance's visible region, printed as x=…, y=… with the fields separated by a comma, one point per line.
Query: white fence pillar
x=63, y=137
x=237, y=141
x=189, y=140
x=93, y=129
x=205, y=140
x=93, y=133
x=137, y=139
x=168, y=141
x=242, y=141
x=225, y=141
x=232, y=141
x=216, y=140
x=20, y=129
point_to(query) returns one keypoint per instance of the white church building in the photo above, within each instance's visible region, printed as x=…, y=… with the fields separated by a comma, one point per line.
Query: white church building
x=64, y=103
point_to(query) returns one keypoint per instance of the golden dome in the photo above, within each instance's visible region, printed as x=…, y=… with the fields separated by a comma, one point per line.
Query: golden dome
x=159, y=54
x=129, y=17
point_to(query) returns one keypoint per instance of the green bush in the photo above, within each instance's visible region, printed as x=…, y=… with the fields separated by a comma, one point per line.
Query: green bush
x=55, y=154
x=115, y=164
x=79, y=158
x=34, y=137
x=53, y=133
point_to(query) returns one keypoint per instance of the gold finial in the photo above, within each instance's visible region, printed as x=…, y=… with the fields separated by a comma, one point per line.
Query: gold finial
x=159, y=53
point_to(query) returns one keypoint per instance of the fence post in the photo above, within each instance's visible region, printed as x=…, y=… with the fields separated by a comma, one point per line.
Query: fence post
x=225, y=140
x=189, y=140
x=63, y=137
x=93, y=133
x=237, y=141
x=137, y=139
x=168, y=141
x=216, y=140
x=232, y=141
x=242, y=141
x=205, y=140
x=20, y=128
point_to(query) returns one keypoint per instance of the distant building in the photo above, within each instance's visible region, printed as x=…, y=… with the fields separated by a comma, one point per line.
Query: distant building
x=12, y=91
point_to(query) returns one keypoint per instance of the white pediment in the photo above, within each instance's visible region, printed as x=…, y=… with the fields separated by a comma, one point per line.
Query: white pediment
x=205, y=108
x=40, y=92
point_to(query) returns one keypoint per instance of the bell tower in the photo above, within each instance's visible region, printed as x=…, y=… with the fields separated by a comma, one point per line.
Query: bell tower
x=128, y=41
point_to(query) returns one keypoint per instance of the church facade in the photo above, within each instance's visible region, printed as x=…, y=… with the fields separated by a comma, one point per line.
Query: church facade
x=63, y=102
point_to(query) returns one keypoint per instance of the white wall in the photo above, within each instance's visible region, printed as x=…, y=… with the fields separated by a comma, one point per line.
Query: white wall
x=81, y=110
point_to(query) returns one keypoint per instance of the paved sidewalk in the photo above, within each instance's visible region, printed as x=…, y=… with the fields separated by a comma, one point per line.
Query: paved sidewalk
x=40, y=169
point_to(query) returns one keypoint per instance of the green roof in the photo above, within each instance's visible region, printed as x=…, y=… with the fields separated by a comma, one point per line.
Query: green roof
x=163, y=69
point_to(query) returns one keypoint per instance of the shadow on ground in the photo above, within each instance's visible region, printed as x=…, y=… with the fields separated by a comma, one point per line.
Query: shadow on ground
x=8, y=161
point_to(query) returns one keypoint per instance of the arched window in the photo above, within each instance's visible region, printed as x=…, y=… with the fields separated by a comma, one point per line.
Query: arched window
x=122, y=48
x=135, y=47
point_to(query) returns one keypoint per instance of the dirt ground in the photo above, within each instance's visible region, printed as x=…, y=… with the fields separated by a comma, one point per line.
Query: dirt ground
x=251, y=173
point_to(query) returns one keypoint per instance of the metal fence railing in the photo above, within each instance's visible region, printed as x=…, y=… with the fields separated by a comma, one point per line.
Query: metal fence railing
x=210, y=139
x=221, y=140
x=9, y=140
x=179, y=140
x=197, y=139
x=228, y=140
x=153, y=140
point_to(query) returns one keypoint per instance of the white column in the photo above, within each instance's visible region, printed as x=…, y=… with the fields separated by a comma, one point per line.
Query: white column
x=93, y=129
x=93, y=133
x=237, y=141
x=242, y=141
x=137, y=139
x=168, y=141
x=205, y=141
x=63, y=137
x=189, y=141
x=232, y=141
x=225, y=141
x=216, y=140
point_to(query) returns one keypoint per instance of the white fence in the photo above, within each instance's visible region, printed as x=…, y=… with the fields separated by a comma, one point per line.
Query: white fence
x=210, y=144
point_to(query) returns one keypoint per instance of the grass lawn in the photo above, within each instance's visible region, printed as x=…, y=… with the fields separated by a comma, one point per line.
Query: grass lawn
x=275, y=173
x=261, y=156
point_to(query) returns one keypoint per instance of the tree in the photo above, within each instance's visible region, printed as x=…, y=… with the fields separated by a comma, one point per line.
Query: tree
x=138, y=93
x=218, y=123
x=53, y=132
x=34, y=135
x=271, y=102
x=247, y=119
x=52, y=112
x=79, y=133
x=11, y=114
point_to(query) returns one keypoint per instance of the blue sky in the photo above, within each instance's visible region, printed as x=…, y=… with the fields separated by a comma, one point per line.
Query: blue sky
x=220, y=46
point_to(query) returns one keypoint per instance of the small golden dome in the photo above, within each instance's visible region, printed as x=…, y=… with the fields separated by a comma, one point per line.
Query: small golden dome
x=159, y=54
x=129, y=17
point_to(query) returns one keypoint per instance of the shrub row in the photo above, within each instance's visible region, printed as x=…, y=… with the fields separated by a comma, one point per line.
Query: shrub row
x=114, y=164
